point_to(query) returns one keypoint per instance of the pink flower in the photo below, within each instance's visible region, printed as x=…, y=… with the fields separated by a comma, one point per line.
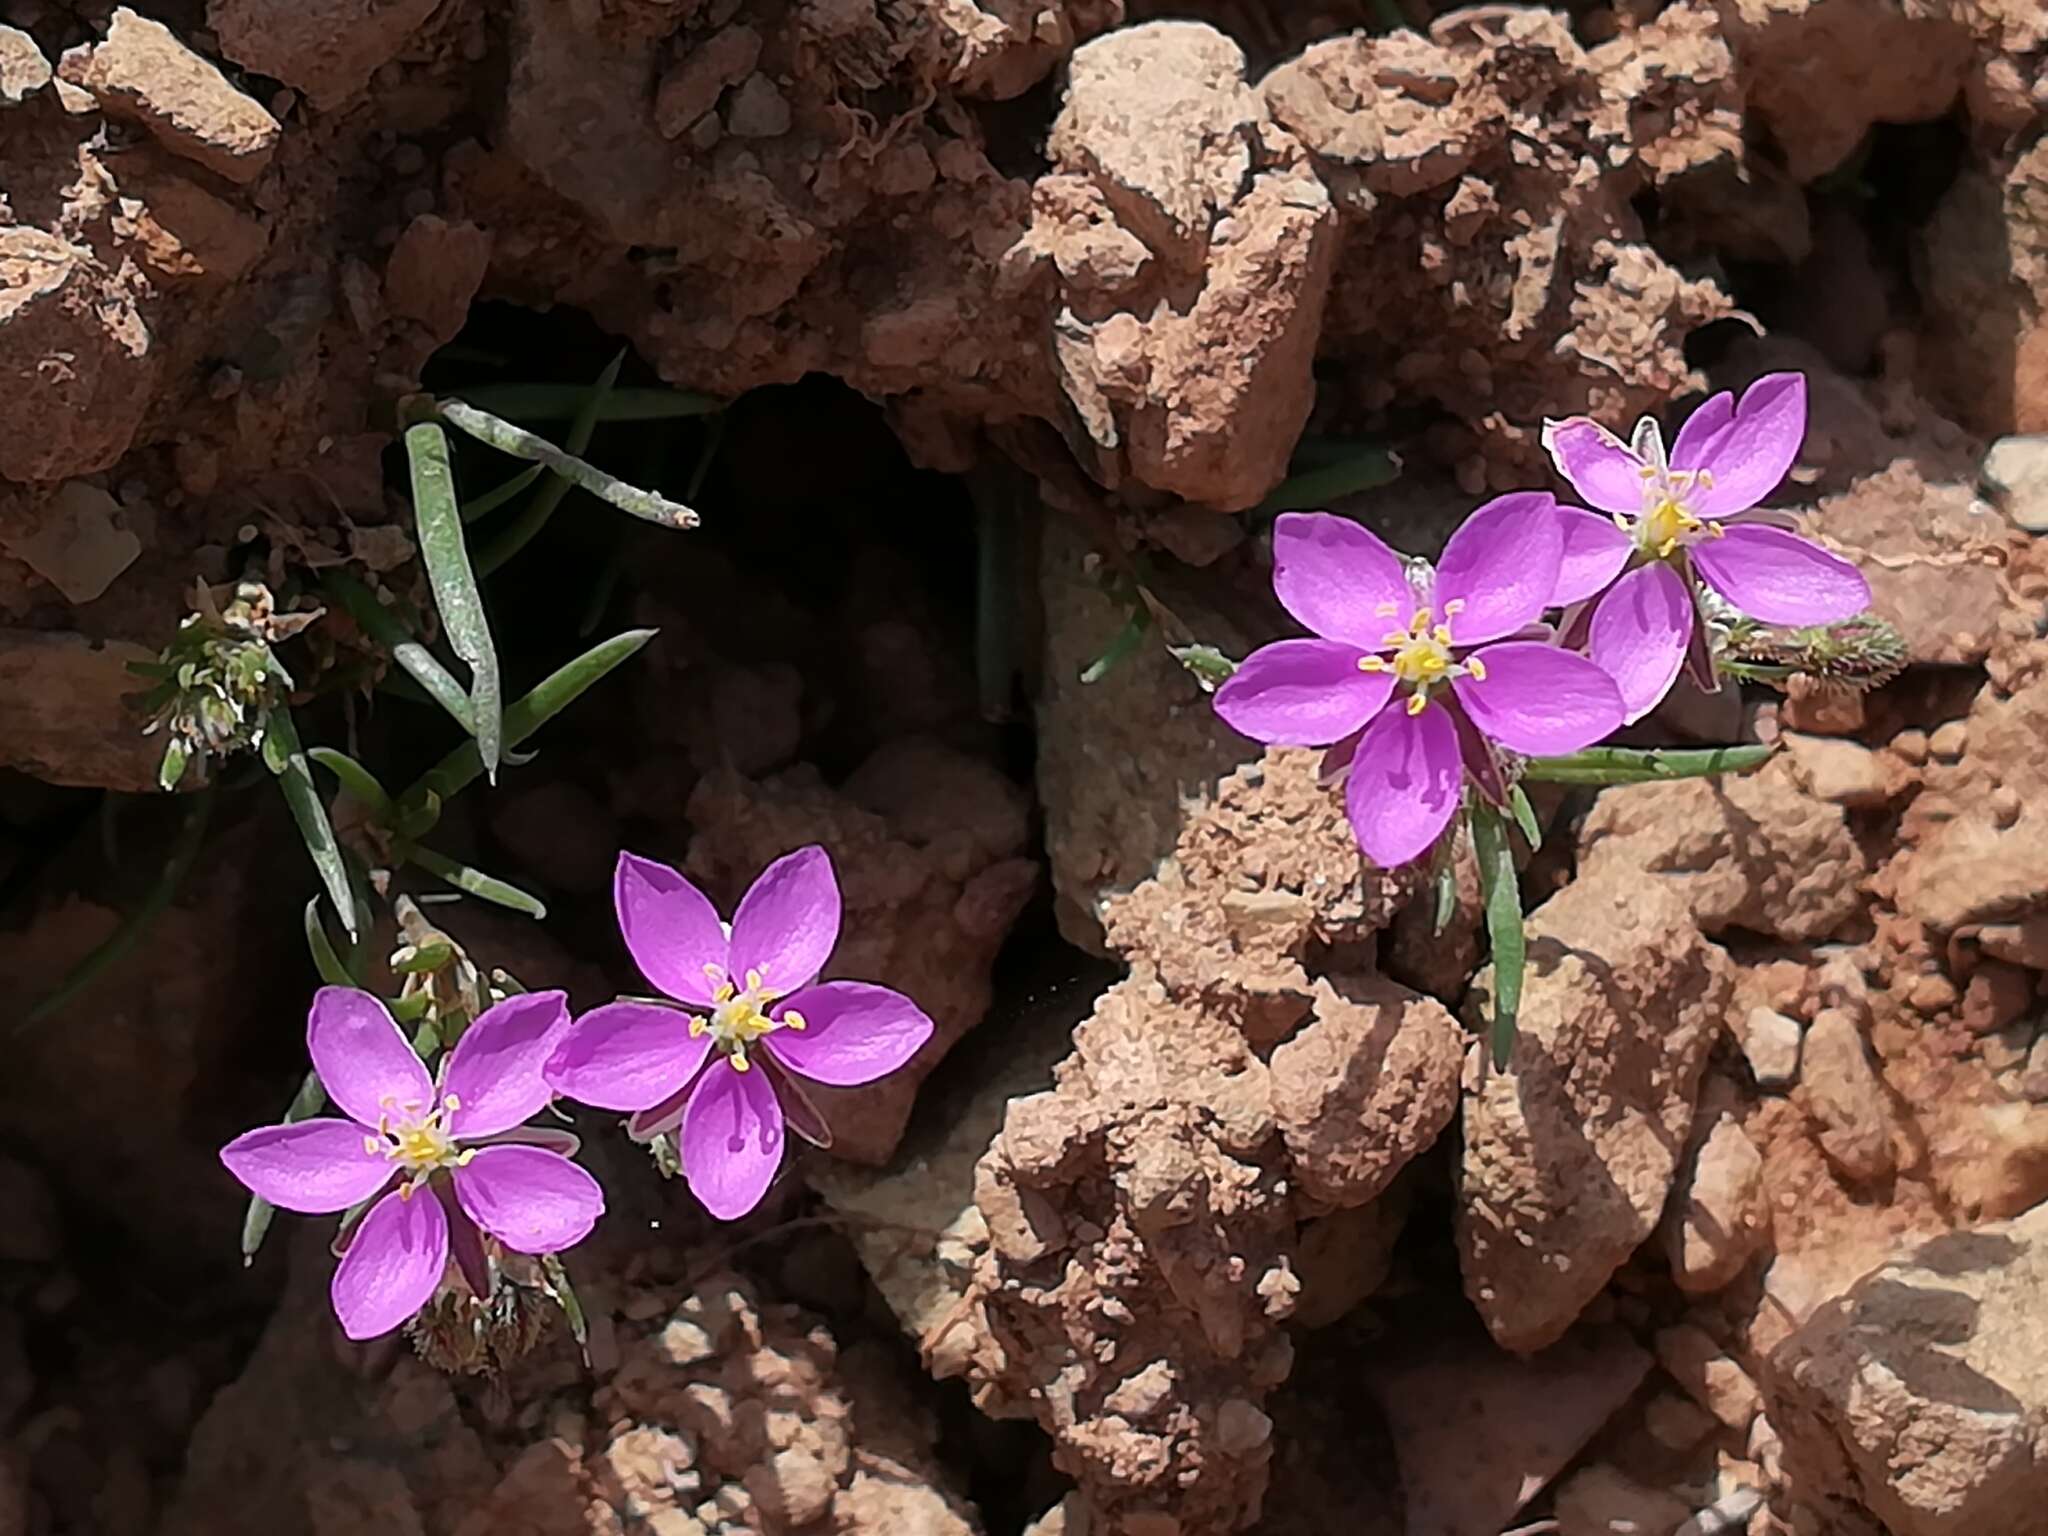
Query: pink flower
x=741, y=1014
x=439, y=1162
x=1694, y=512
x=1428, y=668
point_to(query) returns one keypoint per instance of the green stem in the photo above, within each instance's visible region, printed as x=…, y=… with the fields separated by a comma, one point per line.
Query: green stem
x=1643, y=765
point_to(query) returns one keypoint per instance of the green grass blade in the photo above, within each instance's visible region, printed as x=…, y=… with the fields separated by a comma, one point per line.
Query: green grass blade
x=305, y=1104
x=484, y=505
x=355, y=778
x=285, y=758
x=1125, y=643
x=474, y=881
x=325, y=960
x=191, y=837
x=1502, y=894
x=550, y=496
x=455, y=589
x=1640, y=765
x=555, y=693
x=566, y=402
x=521, y=444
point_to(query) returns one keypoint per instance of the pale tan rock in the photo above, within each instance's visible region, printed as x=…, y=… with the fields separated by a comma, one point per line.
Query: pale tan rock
x=1708, y=1374
x=1840, y=1089
x=1842, y=772
x=1920, y=1395
x=68, y=712
x=1570, y=1152
x=143, y=73
x=1601, y=1500
x=73, y=536
x=1770, y=1043
x=1719, y=1221
x=23, y=69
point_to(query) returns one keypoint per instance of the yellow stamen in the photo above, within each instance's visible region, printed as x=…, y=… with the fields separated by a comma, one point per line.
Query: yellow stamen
x=1372, y=663
x=1417, y=703
x=791, y=1019
x=1477, y=668
x=1665, y=526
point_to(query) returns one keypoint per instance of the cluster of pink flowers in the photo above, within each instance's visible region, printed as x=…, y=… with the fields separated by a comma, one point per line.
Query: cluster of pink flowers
x=1417, y=678
x=432, y=1171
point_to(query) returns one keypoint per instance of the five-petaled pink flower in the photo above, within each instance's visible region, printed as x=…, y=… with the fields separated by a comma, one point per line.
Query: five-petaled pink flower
x=434, y=1162
x=1427, y=667
x=741, y=1014
x=1695, y=509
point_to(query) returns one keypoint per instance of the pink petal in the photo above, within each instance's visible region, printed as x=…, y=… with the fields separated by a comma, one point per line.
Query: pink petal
x=788, y=921
x=393, y=1265
x=529, y=1199
x=626, y=1055
x=1501, y=565
x=1639, y=634
x=854, y=1032
x=1705, y=424
x=493, y=1076
x=1749, y=455
x=1339, y=579
x=1595, y=550
x=313, y=1167
x=1302, y=693
x=1406, y=782
x=1598, y=464
x=732, y=1140
x=1539, y=700
x=670, y=928
x=365, y=1062
x=1779, y=577
x=553, y=1137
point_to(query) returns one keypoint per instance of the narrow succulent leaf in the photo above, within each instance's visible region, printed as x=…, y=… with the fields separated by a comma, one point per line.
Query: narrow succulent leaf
x=555, y=693
x=1501, y=893
x=389, y=631
x=1126, y=641
x=521, y=444
x=256, y=1218
x=455, y=589
x=1329, y=471
x=428, y=957
x=1525, y=817
x=1643, y=765
x=287, y=759
x=550, y=496
x=354, y=778
x=565, y=402
x=474, y=881
x=104, y=955
x=412, y=1007
x=1446, y=896
x=325, y=960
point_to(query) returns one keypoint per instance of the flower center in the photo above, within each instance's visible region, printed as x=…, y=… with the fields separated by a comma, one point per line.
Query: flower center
x=740, y=1017
x=1422, y=655
x=1665, y=526
x=419, y=1144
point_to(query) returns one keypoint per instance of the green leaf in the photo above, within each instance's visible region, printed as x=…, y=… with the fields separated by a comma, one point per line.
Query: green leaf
x=521, y=444
x=411, y=1009
x=1331, y=470
x=1525, y=817
x=555, y=693
x=549, y=497
x=172, y=768
x=565, y=1298
x=1126, y=641
x=428, y=957
x=325, y=960
x=1502, y=895
x=1446, y=895
x=482, y=506
x=387, y=630
x=355, y=778
x=1639, y=765
x=474, y=881
x=287, y=759
x=455, y=589
x=305, y=1104
x=565, y=402
x=102, y=956
x=1211, y=668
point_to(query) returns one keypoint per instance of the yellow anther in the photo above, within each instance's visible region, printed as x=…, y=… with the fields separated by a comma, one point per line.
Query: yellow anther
x=791, y=1019
x=1386, y=610
x=1477, y=668
x=739, y=1061
x=1372, y=663
x=753, y=981
x=698, y=1026
x=1442, y=633
x=1417, y=703
x=450, y=1102
x=1454, y=607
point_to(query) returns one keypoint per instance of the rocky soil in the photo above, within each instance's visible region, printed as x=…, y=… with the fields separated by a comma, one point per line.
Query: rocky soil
x=1202, y=1214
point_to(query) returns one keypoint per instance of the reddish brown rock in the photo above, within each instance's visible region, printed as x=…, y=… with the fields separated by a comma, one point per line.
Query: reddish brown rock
x=327, y=49
x=434, y=272
x=1570, y=1151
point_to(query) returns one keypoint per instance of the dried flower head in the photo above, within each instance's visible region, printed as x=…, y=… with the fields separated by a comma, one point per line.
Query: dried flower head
x=217, y=682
